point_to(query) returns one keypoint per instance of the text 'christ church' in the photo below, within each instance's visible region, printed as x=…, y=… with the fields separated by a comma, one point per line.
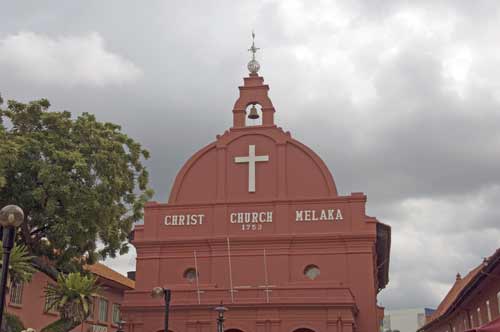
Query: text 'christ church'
x=254, y=220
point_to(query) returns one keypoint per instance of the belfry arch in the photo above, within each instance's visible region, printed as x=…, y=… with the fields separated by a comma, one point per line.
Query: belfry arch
x=253, y=115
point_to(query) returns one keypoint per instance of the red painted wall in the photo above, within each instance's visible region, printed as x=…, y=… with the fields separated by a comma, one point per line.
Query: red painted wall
x=31, y=310
x=212, y=184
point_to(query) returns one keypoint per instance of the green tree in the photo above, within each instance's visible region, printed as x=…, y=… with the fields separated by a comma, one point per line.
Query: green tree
x=6, y=152
x=72, y=297
x=11, y=323
x=78, y=180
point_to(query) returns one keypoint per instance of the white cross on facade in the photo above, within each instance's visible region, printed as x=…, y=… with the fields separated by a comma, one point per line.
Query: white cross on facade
x=251, y=160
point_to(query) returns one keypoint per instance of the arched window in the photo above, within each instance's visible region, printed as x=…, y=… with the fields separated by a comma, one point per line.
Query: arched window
x=190, y=274
x=233, y=330
x=311, y=271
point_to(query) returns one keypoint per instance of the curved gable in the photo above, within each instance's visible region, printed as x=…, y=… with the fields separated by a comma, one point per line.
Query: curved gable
x=213, y=174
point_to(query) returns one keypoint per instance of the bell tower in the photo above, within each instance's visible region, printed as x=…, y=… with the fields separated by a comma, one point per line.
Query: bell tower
x=253, y=92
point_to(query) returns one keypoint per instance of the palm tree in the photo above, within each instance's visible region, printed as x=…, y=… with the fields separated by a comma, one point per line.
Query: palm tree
x=20, y=270
x=20, y=267
x=71, y=296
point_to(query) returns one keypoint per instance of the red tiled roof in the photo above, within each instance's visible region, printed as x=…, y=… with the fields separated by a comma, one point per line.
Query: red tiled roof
x=105, y=272
x=457, y=290
x=383, y=250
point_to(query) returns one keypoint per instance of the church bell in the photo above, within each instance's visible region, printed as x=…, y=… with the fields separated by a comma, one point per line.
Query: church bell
x=253, y=113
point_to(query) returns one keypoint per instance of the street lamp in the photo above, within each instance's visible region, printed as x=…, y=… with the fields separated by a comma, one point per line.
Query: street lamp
x=220, y=319
x=120, y=326
x=11, y=216
x=158, y=292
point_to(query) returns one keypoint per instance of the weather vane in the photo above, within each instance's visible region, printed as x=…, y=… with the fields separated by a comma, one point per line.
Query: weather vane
x=253, y=65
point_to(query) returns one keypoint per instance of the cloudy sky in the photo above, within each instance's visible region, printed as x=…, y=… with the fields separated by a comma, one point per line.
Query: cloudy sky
x=401, y=99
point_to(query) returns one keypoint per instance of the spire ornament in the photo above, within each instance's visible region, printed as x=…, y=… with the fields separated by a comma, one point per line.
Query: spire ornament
x=253, y=66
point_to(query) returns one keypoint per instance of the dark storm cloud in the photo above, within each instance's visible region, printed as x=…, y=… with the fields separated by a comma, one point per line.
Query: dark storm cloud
x=400, y=99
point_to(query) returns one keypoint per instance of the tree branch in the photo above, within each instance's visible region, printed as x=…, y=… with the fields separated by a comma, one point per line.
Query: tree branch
x=26, y=232
x=44, y=266
x=41, y=229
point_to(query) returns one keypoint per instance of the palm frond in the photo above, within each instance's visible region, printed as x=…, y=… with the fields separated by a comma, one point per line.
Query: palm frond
x=72, y=295
x=20, y=267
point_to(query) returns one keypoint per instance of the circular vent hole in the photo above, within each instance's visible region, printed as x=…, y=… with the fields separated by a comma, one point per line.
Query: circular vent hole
x=311, y=271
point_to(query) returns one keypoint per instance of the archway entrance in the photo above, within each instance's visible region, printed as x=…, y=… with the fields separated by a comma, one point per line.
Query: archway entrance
x=233, y=330
x=303, y=329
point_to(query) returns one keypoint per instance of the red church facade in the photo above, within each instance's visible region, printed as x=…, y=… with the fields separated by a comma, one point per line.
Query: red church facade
x=254, y=220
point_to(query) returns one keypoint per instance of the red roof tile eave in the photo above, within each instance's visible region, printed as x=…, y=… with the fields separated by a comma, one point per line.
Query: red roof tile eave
x=105, y=273
x=383, y=254
x=479, y=273
x=114, y=283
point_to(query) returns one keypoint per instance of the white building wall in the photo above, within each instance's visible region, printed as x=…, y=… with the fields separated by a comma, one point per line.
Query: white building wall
x=404, y=320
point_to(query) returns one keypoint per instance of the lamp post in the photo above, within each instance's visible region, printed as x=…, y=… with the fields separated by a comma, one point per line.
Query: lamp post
x=220, y=318
x=158, y=292
x=120, y=326
x=11, y=216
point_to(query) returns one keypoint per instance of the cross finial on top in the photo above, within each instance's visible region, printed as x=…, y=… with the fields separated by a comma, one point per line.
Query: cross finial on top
x=253, y=49
x=253, y=65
